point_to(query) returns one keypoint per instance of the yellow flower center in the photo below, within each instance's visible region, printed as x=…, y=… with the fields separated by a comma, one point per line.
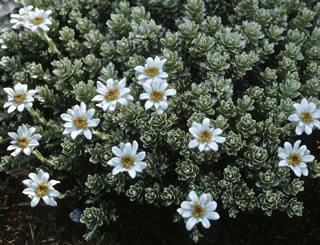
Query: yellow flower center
x=197, y=210
x=112, y=94
x=19, y=97
x=23, y=141
x=157, y=95
x=306, y=117
x=204, y=136
x=127, y=161
x=80, y=122
x=294, y=158
x=151, y=71
x=42, y=189
x=36, y=20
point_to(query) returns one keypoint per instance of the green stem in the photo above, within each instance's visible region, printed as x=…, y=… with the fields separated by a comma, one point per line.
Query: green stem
x=52, y=46
x=36, y=117
x=42, y=158
x=99, y=134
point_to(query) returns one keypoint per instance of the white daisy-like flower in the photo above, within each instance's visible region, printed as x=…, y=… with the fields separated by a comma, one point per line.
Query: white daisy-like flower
x=79, y=120
x=206, y=138
x=19, y=97
x=152, y=69
x=307, y=116
x=156, y=95
x=295, y=157
x=198, y=210
x=38, y=187
x=38, y=19
x=19, y=19
x=113, y=92
x=127, y=159
x=23, y=140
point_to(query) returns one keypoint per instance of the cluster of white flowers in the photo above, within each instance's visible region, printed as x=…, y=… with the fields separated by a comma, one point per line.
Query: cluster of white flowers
x=153, y=80
x=296, y=157
x=31, y=19
x=19, y=98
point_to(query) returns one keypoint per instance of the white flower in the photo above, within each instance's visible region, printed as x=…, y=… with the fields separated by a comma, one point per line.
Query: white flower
x=152, y=69
x=37, y=19
x=127, y=159
x=295, y=158
x=19, y=19
x=23, y=140
x=306, y=116
x=206, y=137
x=156, y=95
x=198, y=210
x=78, y=121
x=19, y=97
x=39, y=187
x=113, y=92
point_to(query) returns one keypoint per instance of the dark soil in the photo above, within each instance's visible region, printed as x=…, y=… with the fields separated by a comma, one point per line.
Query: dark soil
x=21, y=224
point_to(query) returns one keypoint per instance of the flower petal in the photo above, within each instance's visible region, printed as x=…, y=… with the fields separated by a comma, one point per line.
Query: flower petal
x=193, y=144
x=34, y=178
x=66, y=117
x=44, y=178
x=132, y=173
x=170, y=92
x=148, y=104
x=219, y=139
x=304, y=171
x=186, y=205
x=299, y=130
x=53, y=182
x=75, y=133
x=297, y=170
x=213, y=146
x=203, y=200
x=87, y=133
x=205, y=223
x=213, y=215
x=294, y=118
x=211, y=206
x=307, y=129
x=29, y=191
x=190, y=223
x=283, y=163
x=308, y=158
x=35, y=201
x=193, y=196
x=186, y=214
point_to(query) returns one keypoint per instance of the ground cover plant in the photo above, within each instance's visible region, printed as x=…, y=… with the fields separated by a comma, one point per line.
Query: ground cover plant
x=129, y=117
